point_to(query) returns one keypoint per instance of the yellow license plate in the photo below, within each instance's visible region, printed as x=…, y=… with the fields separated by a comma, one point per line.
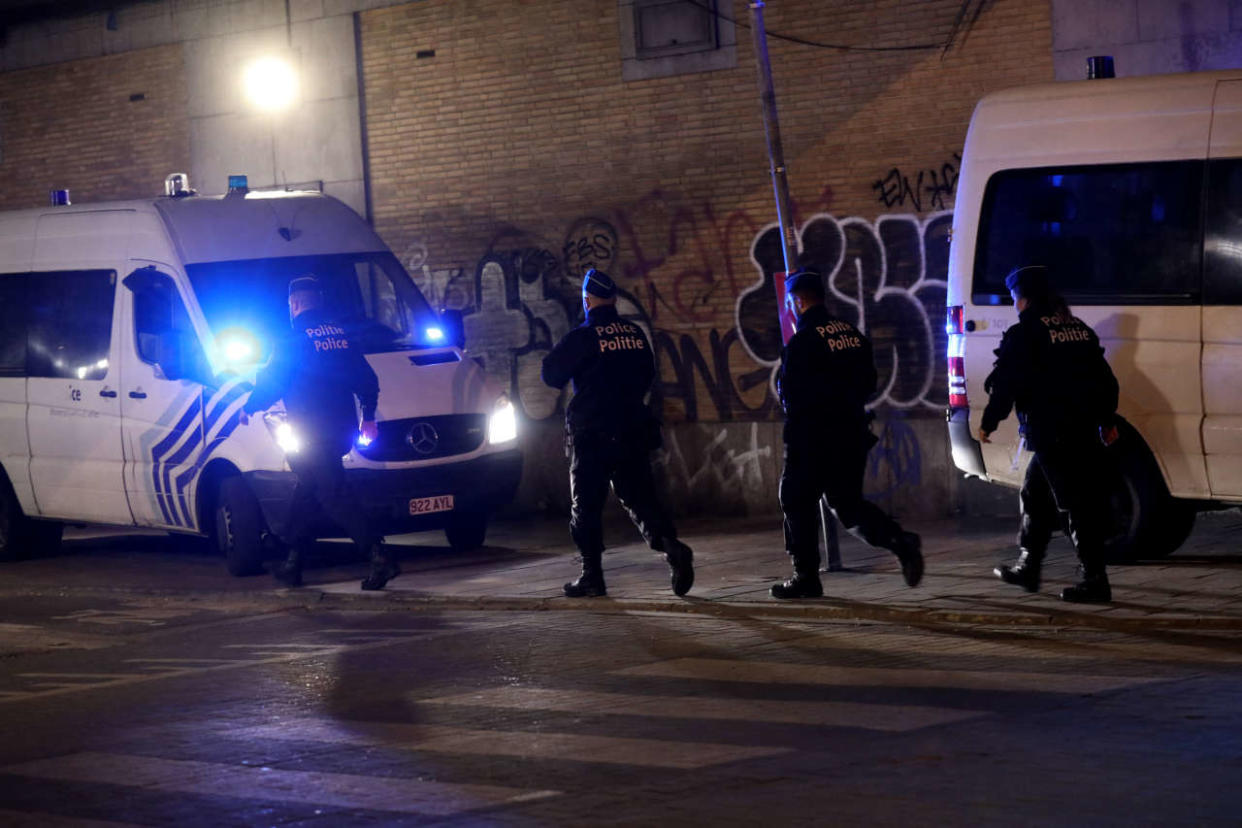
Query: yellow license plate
x=427, y=505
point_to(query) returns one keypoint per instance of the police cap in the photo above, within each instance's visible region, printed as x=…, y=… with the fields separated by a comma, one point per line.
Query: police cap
x=1029, y=281
x=598, y=283
x=805, y=280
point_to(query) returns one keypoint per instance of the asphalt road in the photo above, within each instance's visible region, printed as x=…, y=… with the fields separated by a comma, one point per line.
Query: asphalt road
x=247, y=706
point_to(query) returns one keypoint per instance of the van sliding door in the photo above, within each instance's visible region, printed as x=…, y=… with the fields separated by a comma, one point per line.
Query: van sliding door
x=1222, y=296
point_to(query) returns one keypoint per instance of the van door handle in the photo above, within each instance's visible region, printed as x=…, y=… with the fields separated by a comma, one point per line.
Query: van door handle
x=107, y=393
x=137, y=395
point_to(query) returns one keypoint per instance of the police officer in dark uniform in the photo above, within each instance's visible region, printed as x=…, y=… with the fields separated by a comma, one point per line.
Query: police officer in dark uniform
x=611, y=434
x=827, y=375
x=318, y=372
x=1050, y=366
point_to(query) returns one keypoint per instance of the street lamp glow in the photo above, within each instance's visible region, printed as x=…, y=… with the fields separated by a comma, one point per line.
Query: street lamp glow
x=271, y=84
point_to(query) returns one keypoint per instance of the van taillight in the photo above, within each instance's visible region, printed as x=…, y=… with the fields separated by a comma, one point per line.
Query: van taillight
x=954, y=326
x=957, y=382
x=953, y=320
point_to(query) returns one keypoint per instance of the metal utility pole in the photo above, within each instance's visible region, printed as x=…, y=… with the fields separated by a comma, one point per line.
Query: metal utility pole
x=830, y=550
x=772, y=128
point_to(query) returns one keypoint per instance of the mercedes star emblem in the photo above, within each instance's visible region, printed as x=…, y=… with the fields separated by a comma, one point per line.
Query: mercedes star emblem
x=423, y=438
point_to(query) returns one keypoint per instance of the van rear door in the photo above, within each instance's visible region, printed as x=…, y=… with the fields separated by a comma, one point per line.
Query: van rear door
x=74, y=414
x=14, y=447
x=1222, y=296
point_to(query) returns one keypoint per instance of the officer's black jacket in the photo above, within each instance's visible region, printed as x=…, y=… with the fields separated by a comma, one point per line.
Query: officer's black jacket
x=317, y=371
x=612, y=366
x=827, y=375
x=1051, y=367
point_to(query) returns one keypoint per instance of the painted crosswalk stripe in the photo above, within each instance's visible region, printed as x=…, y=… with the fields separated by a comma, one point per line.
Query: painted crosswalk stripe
x=721, y=669
x=525, y=744
x=411, y=796
x=885, y=717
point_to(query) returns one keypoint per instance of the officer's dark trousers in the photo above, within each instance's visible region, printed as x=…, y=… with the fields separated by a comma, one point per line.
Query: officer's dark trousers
x=597, y=460
x=835, y=472
x=322, y=489
x=1066, y=487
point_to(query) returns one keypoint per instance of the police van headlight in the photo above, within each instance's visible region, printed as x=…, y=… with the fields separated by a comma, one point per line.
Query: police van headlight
x=502, y=427
x=283, y=433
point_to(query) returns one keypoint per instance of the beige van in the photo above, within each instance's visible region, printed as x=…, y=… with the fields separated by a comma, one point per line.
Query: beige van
x=1130, y=189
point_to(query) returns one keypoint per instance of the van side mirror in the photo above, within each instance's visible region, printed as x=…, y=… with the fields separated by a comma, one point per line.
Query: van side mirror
x=451, y=319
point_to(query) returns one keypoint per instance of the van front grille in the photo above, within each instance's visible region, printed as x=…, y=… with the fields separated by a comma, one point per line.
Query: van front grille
x=426, y=438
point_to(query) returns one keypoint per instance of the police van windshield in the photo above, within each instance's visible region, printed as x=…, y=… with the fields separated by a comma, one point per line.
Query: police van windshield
x=370, y=294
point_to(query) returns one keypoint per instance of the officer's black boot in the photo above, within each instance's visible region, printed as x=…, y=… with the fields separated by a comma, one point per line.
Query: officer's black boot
x=1025, y=573
x=680, y=565
x=909, y=550
x=1093, y=589
x=289, y=571
x=383, y=569
x=590, y=583
x=804, y=583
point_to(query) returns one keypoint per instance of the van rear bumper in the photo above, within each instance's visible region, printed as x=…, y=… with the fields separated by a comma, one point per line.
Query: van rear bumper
x=478, y=486
x=967, y=453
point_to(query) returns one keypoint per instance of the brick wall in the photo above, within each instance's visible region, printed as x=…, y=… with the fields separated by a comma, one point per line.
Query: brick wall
x=73, y=125
x=516, y=157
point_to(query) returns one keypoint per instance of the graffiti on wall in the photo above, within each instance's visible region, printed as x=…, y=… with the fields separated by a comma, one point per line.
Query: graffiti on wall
x=888, y=278
x=522, y=295
x=717, y=470
x=928, y=189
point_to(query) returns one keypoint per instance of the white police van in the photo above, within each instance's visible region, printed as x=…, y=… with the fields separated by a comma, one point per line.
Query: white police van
x=130, y=333
x=1130, y=189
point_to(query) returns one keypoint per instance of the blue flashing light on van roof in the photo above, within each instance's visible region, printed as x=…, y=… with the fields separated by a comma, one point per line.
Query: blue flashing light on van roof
x=238, y=184
x=435, y=334
x=60, y=198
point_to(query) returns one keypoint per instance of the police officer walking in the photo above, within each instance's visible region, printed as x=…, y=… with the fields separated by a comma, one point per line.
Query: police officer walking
x=611, y=434
x=1050, y=366
x=318, y=372
x=826, y=376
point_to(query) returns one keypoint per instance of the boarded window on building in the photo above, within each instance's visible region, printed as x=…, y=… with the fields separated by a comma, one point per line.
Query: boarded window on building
x=673, y=37
x=673, y=27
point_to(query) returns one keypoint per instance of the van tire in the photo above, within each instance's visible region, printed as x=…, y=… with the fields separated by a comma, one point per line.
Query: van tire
x=239, y=528
x=21, y=537
x=1149, y=522
x=467, y=531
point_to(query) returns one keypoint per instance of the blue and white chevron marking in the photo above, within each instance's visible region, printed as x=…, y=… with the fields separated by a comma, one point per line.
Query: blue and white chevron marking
x=177, y=459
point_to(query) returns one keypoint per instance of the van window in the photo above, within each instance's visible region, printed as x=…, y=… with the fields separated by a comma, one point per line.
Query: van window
x=159, y=310
x=369, y=293
x=13, y=324
x=70, y=323
x=1222, y=239
x=1110, y=234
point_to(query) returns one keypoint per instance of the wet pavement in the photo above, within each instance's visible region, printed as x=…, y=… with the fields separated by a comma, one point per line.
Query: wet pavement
x=736, y=560
x=142, y=685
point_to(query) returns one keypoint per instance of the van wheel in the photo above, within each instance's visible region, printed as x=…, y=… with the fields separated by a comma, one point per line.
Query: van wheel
x=239, y=528
x=466, y=531
x=1149, y=522
x=21, y=537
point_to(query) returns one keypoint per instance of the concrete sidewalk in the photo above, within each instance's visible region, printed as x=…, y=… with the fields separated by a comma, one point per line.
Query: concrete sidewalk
x=736, y=560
